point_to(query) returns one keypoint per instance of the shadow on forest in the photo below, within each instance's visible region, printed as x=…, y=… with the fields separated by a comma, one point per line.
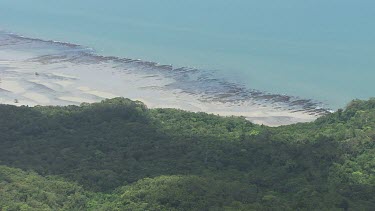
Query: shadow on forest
x=107, y=145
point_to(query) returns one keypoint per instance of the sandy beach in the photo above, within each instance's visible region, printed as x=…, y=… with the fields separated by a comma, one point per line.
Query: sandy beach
x=57, y=76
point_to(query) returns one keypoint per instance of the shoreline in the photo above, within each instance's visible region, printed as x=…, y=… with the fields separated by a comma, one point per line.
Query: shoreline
x=38, y=72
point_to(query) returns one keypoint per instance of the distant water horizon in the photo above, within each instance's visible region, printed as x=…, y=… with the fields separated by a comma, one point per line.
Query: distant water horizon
x=317, y=50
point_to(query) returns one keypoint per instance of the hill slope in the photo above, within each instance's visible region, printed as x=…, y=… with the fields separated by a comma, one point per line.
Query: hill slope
x=120, y=155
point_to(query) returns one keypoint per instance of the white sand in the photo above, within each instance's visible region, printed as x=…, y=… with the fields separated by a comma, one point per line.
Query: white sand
x=64, y=75
x=64, y=83
x=77, y=83
x=105, y=95
x=76, y=99
x=39, y=98
x=12, y=86
x=52, y=86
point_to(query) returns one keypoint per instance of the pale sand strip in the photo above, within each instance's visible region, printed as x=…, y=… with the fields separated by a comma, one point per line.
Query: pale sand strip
x=12, y=86
x=76, y=99
x=64, y=75
x=51, y=86
x=105, y=95
x=79, y=83
x=64, y=83
x=39, y=98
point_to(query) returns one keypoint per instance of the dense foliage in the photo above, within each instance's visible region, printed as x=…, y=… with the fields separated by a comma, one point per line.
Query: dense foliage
x=119, y=155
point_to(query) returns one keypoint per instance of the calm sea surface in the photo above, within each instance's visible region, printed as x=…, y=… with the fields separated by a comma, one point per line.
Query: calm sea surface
x=319, y=49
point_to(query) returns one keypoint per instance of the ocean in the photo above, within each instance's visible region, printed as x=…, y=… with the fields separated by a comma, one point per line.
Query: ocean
x=322, y=50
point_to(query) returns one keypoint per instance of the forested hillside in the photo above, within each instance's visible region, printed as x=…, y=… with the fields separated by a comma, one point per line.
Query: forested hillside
x=119, y=155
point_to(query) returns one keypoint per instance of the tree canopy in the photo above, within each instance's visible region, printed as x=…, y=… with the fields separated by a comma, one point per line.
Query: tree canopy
x=120, y=155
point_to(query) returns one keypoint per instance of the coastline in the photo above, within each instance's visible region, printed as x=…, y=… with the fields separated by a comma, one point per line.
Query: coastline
x=37, y=72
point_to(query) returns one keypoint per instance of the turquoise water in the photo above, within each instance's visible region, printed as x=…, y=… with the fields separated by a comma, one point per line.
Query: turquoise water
x=319, y=49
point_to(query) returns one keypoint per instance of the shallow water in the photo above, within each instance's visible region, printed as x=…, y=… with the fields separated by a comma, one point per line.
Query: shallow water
x=318, y=49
